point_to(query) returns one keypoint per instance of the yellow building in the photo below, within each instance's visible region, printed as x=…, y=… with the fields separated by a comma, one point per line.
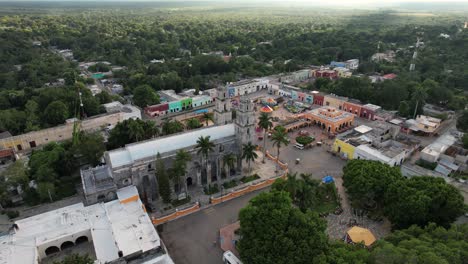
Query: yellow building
x=346, y=143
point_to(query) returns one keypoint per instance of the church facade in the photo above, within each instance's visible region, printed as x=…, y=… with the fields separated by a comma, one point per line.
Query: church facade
x=135, y=164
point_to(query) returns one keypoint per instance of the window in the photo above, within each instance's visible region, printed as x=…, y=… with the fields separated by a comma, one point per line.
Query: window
x=19, y=147
x=32, y=144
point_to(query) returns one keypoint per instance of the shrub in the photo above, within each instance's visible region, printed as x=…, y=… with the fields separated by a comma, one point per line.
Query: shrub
x=304, y=140
x=249, y=178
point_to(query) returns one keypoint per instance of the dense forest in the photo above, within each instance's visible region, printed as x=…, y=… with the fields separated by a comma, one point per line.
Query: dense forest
x=261, y=43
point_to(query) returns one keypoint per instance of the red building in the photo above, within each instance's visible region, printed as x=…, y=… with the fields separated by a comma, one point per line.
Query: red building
x=368, y=111
x=353, y=108
x=331, y=74
x=318, y=99
x=157, y=110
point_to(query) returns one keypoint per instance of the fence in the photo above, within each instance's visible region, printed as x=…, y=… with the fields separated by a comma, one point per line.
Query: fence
x=176, y=214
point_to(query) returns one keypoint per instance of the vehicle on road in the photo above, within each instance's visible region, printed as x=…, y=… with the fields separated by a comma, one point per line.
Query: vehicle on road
x=230, y=258
x=299, y=146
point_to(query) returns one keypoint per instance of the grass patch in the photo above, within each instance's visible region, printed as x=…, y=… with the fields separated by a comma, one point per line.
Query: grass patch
x=250, y=178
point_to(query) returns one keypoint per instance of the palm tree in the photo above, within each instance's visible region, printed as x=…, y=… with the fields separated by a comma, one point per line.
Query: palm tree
x=249, y=154
x=419, y=95
x=279, y=138
x=205, y=146
x=180, y=166
x=135, y=130
x=208, y=117
x=264, y=121
x=229, y=160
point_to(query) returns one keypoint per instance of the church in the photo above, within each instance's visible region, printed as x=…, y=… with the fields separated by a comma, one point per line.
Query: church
x=135, y=163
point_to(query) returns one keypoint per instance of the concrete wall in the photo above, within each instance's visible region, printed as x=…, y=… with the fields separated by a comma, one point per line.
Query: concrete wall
x=59, y=133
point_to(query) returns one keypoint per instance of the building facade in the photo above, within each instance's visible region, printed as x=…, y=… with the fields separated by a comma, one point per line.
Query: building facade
x=330, y=119
x=135, y=163
x=31, y=140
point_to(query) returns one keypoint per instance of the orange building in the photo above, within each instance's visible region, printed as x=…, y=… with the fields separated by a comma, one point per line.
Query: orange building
x=330, y=118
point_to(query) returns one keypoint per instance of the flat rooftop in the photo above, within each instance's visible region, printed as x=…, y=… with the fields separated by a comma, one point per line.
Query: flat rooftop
x=121, y=225
x=330, y=113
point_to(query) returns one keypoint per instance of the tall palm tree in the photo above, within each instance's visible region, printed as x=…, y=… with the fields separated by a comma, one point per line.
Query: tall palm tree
x=180, y=166
x=419, y=95
x=208, y=117
x=205, y=146
x=229, y=160
x=279, y=138
x=249, y=154
x=264, y=121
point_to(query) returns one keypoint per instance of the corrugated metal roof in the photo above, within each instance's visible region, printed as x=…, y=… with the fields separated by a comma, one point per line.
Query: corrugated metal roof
x=137, y=151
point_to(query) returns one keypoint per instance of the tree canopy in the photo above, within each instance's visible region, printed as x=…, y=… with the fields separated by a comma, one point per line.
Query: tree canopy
x=273, y=231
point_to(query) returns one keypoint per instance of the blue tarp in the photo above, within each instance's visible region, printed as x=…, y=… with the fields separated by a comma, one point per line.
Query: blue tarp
x=327, y=179
x=201, y=111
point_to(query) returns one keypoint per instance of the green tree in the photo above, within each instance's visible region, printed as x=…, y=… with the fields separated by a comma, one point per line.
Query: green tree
x=180, y=167
x=172, y=126
x=193, y=123
x=32, y=120
x=164, y=186
x=273, y=231
x=144, y=96
x=418, y=96
x=46, y=191
x=92, y=147
x=56, y=113
x=205, y=147
x=76, y=259
x=264, y=121
x=367, y=181
x=462, y=121
x=249, y=154
x=208, y=117
x=428, y=199
x=130, y=131
x=279, y=138
x=431, y=244
x=465, y=140
x=403, y=109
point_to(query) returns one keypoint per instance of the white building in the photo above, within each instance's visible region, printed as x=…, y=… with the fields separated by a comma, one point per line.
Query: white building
x=245, y=87
x=392, y=153
x=118, y=231
x=432, y=152
x=352, y=64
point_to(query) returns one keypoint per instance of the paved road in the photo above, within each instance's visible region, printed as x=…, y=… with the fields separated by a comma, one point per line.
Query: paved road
x=190, y=239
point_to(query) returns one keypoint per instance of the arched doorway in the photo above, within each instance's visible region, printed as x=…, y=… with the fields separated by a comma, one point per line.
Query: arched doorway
x=81, y=239
x=51, y=250
x=66, y=244
x=189, y=181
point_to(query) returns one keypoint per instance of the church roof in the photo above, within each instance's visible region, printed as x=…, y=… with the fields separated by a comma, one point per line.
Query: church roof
x=146, y=149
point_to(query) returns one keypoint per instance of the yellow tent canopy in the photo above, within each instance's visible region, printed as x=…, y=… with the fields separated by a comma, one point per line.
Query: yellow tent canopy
x=358, y=234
